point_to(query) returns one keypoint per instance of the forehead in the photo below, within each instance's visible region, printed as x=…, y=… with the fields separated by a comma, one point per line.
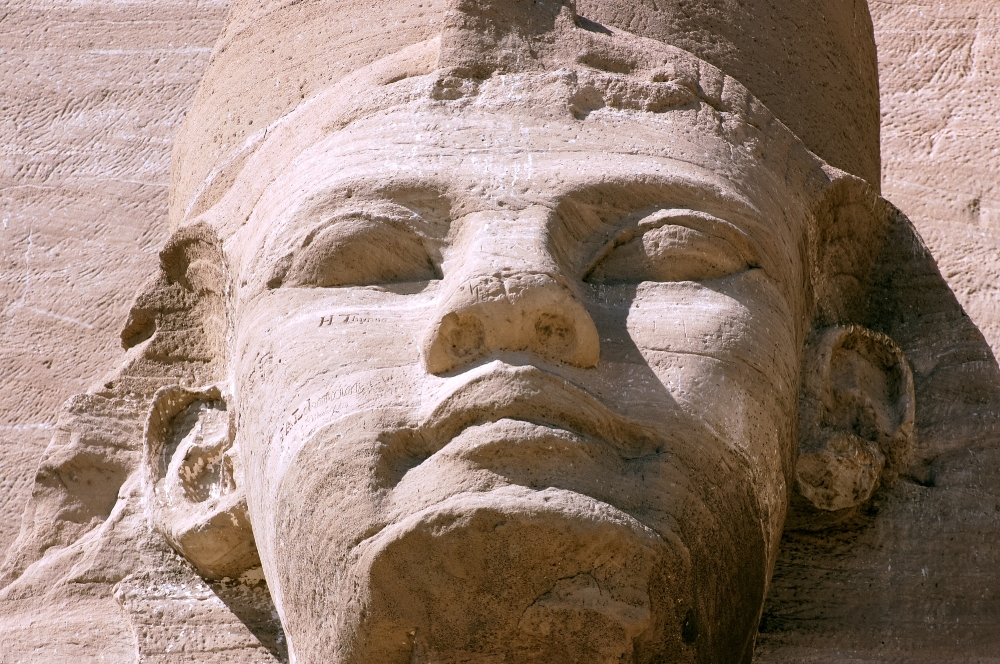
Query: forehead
x=482, y=158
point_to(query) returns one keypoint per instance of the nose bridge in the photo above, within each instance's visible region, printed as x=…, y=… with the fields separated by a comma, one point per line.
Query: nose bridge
x=507, y=243
x=506, y=292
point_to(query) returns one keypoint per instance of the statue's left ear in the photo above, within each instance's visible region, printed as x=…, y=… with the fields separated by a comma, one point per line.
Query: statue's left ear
x=856, y=411
x=856, y=399
x=194, y=489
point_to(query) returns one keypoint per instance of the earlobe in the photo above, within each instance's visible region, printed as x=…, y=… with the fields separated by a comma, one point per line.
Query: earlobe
x=193, y=481
x=856, y=413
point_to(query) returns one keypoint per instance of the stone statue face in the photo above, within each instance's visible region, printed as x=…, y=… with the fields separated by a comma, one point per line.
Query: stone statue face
x=509, y=384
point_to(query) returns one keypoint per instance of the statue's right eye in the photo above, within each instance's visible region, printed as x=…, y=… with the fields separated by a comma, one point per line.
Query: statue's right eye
x=359, y=251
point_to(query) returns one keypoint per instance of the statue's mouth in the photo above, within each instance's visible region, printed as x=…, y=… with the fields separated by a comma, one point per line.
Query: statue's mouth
x=514, y=406
x=506, y=429
x=528, y=450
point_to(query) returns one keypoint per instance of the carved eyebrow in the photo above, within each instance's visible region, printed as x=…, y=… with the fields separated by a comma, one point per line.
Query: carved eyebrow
x=377, y=211
x=655, y=189
x=638, y=223
x=350, y=201
x=617, y=200
x=605, y=212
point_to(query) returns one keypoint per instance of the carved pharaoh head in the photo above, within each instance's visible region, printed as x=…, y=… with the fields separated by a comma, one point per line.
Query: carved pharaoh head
x=533, y=329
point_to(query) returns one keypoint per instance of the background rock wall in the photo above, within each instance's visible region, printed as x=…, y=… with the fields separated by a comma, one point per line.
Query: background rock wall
x=91, y=93
x=939, y=64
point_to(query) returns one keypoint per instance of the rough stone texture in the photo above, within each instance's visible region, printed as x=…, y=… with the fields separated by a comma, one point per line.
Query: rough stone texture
x=917, y=581
x=810, y=62
x=92, y=94
x=940, y=78
x=866, y=589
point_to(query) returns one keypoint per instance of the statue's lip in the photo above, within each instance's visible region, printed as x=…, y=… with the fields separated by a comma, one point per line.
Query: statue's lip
x=499, y=391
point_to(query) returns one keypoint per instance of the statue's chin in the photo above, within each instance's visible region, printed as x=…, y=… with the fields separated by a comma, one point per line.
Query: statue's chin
x=508, y=575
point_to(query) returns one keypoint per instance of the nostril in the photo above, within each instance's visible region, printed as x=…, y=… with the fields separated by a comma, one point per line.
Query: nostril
x=556, y=334
x=524, y=312
x=463, y=336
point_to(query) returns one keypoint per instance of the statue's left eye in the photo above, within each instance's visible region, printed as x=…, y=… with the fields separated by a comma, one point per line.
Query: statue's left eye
x=668, y=253
x=360, y=251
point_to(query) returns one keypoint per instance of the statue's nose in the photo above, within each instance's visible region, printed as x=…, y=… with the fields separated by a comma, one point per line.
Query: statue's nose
x=507, y=293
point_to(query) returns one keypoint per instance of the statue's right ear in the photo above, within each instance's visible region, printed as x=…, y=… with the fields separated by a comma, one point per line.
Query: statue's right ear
x=191, y=468
x=193, y=481
x=174, y=336
x=176, y=331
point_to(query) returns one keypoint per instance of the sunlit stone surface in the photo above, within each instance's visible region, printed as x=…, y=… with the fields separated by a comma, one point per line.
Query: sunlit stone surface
x=512, y=331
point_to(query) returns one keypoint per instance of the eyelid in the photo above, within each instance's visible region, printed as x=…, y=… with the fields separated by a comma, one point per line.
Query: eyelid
x=329, y=255
x=685, y=217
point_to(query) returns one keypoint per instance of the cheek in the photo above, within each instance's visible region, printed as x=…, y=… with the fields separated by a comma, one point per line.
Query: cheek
x=726, y=352
x=743, y=319
x=296, y=342
x=303, y=358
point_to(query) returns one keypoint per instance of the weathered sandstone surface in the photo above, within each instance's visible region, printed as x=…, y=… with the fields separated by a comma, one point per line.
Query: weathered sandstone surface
x=940, y=79
x=919, y=583
x=93, y=95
